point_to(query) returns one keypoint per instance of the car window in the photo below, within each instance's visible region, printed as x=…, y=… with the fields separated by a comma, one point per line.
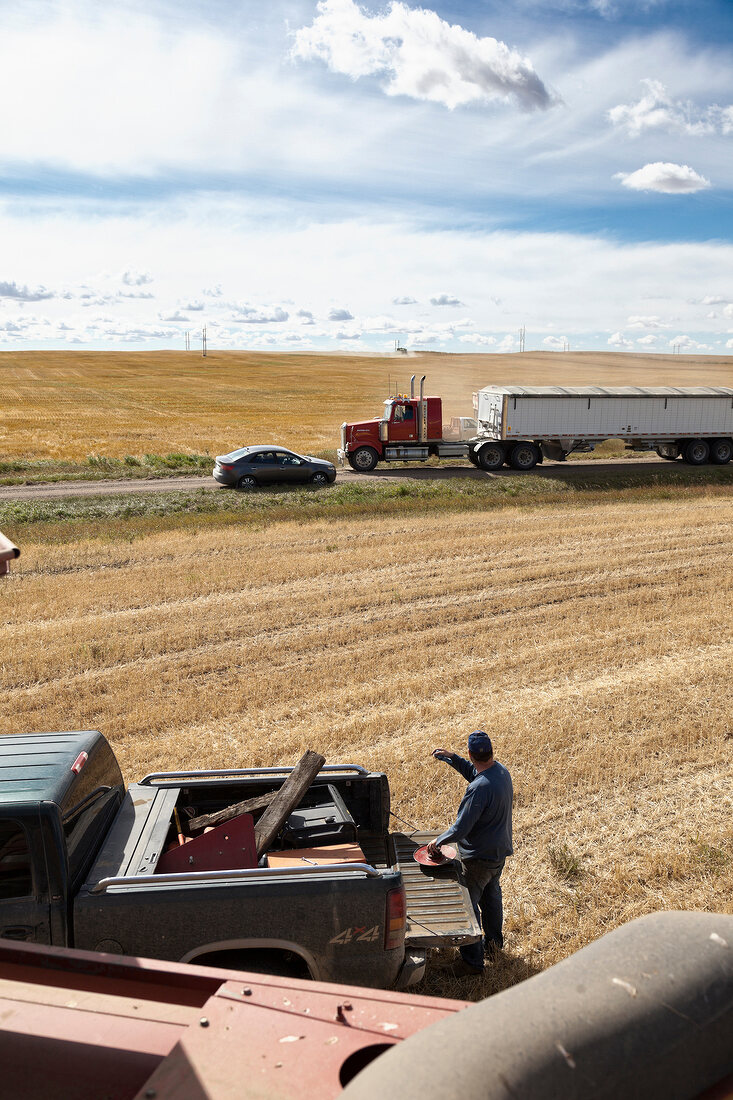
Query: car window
x=262, y=458
x=15, y=861
x=287, y=459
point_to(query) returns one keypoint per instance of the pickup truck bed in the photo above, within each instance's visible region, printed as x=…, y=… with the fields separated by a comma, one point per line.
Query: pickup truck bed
x=314, y=912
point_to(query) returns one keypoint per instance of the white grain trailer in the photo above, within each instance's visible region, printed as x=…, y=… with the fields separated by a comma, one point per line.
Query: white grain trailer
x=522, y=424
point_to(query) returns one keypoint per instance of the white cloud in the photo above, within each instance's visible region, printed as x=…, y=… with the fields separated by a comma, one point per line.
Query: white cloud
x=406, y=300
x=420, y=55
x=340, y=315
x=646, y=322
x=618, y=340
x=136, y=278
x=657, y=110
x=729, y=343
x=557, y=342
x=669, y=179
x=251, y=315
x=23, y=294
x=445, y=300
x=728, y=311
x=648, y=340
x=478, y=339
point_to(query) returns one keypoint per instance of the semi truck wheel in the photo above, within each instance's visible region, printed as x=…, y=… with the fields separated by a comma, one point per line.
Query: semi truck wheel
x=721, y=451
x=524, y=456
x=363, y=460
x=491, y=456
x=697, y=452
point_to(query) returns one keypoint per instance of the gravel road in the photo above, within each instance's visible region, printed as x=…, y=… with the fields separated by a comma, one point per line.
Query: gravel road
x=561, y=470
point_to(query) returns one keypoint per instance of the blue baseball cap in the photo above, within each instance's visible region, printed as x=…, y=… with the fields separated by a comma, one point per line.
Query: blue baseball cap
x=480, y=742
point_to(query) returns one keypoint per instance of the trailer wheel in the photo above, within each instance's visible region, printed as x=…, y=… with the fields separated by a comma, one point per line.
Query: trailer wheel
x=491, y=456
x=524, y=456
x=721, y=451
x=696, y=452
x=363, y=460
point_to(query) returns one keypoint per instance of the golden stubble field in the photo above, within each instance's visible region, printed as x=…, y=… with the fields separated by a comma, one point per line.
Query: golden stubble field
x=67, y=405
x=593, y=642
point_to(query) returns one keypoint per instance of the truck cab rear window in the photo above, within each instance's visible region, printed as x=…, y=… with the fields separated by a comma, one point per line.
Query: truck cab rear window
x=15, y=862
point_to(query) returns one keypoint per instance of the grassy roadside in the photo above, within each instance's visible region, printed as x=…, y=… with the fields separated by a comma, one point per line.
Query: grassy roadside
x=132, y=515
x=46, y=471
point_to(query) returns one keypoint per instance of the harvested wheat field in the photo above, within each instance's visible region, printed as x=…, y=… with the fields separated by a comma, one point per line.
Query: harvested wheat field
x=594, y=641
x=67, y=405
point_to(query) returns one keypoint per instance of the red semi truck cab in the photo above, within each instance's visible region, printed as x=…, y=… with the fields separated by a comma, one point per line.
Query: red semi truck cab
x=410, y=429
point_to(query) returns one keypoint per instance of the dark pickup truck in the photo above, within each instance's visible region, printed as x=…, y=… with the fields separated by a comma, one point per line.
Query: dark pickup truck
x=84, y=863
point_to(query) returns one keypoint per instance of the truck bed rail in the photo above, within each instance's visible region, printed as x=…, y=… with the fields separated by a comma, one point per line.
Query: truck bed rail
x=233, y=773
x=187, y=878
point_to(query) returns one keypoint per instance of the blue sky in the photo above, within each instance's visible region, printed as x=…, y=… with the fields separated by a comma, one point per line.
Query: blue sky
x=300, y=175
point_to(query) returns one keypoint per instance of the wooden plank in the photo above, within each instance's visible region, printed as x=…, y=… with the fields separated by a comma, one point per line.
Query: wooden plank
x=287, y=798
x=220, y=816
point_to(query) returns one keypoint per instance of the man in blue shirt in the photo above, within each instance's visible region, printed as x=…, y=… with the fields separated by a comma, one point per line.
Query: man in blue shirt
x=483, y=834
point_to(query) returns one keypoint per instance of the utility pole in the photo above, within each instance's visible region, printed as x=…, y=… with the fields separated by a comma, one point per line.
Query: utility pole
x=522, y=334
x=188, y=341
x=203, y=342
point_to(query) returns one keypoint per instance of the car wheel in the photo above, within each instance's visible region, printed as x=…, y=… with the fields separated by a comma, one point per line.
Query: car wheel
x=319, y=478
x=721, y=451
x=491, y=456
x=364, y=459
x=697, y=452
x=524, y=456
x=246, y=484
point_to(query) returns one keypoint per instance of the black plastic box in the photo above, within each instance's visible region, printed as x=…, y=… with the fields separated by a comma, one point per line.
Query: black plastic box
x=323, y=820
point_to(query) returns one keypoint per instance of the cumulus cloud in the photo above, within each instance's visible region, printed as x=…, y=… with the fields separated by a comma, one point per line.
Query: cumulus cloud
x=136, y=278
x=657, y=110
x=478, y=339
x=618, y=340
x=668, y=179
x=557, y=342
x=23, y=294
x=646, y=322
x=420, y=55
x=306, y=317
x=340, y=315
x=648, y=340
x=446, y=300
x=404, y=301
x=248, y=315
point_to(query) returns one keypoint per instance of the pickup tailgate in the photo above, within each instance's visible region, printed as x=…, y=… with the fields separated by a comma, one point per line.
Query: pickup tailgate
x=439, y=910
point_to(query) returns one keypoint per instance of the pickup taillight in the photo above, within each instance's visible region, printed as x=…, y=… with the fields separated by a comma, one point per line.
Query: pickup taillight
x=394, y=926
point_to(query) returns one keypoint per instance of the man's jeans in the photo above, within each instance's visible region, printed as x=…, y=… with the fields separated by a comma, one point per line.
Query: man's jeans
x=483, y=880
